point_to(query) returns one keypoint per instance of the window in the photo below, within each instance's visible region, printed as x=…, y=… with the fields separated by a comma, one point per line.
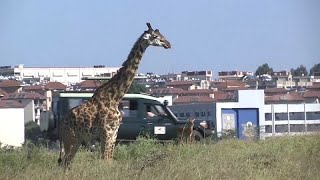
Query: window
x=208, y=113
x=296, y=116
x=268, y=128
x=187, y=114
x=181, y=114
x=313, y=127
x=268, y=116
x=128, y=108
x=313, y=115
x=196, y=114
x=281, y=128
x=281, y=116
x=153, y=110
x=297, y=128
x=75, y=102
x=203, y=114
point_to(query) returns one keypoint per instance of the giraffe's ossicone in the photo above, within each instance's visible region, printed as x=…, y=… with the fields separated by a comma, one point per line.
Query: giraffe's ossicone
x=99, y=116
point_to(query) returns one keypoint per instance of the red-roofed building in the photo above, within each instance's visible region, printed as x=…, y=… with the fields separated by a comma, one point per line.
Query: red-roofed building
x=55, y=86
x=2, y=93
x=314, y=87
x=289, y=98
x=185, y=85
x=193, y=100
x=88, y=85
x=46, y=90
x=312, y=96
x=10, y=104
x=275, y=91
x=34, y=104
x=11, y=86
x=200, y=92
x=220, y=85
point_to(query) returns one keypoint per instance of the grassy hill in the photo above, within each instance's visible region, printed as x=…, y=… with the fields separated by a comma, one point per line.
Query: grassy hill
x=278, y=158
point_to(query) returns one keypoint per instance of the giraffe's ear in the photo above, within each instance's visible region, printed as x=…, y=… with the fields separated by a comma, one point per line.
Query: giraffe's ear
x=149, y=26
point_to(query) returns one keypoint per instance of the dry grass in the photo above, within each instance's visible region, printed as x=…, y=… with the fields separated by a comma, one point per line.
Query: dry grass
x=280, y=158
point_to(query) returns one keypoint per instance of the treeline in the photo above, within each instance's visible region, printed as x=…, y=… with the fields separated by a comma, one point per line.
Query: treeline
x=299, y=71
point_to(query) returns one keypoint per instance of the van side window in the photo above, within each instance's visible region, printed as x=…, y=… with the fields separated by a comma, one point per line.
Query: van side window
x=153, y=110
x=128, y=108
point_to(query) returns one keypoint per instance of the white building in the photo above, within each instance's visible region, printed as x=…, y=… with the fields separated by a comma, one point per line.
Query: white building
x=250, y=117
x=65, y=75
x=233, y=75
x=11, y=123
x=196, y=75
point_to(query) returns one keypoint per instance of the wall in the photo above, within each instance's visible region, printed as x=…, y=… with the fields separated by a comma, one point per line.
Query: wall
x=29, y=113
x=12, y=126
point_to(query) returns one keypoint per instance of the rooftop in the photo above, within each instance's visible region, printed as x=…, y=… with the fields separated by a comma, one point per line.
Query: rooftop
x=24, y=95
x=10, y=83
x=10, y=104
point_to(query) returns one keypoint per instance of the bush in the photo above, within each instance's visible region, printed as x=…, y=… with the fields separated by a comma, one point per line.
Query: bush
x=33, y=133
x=141, y=147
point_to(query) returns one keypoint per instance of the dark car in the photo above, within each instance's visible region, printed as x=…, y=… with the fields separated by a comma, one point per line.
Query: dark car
x=141, y=114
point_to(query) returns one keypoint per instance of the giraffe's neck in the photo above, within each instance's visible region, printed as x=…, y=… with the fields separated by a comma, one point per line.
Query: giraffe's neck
x=118, y=85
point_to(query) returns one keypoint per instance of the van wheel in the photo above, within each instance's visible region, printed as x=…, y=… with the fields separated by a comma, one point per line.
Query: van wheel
x=197, y=136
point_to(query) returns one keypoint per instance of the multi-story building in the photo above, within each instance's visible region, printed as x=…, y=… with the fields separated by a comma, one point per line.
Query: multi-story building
x=171, y=77
x=65, y=75
x=232, y=75
x=196, y=75
x=188, y=76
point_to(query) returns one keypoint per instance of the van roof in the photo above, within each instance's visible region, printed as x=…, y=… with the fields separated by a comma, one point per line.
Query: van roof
x=89, y=95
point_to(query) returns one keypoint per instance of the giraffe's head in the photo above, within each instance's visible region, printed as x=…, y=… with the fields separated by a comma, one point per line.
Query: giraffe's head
x=155, y=38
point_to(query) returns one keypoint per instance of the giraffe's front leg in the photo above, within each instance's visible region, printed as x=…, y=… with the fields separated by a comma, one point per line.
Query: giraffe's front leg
x=108, y=138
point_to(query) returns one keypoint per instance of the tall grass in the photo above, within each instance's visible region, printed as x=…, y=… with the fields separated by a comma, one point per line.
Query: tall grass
x=278, y=158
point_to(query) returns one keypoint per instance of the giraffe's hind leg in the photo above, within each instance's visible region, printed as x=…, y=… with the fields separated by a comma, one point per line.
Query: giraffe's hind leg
x=108, y=139
x=71, y=145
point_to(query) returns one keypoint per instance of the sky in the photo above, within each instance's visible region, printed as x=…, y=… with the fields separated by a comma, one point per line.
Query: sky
x=217, y=35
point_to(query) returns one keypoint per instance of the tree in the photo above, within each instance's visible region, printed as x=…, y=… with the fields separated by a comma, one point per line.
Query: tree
x=315, y=70
x=264, y=69
x=136, y=88
x=300, y=71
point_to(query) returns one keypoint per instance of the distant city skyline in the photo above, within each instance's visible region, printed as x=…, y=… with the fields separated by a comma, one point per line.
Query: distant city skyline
x=206, y=35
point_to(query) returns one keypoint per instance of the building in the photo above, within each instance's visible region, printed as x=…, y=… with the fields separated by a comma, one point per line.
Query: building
x=233, y=75
x=11, y=123
x=34, y=104
x=11, y=86
x=171, y=77
x=65, y=75
x=196, y=75
x=45, y=90
x=250, y=117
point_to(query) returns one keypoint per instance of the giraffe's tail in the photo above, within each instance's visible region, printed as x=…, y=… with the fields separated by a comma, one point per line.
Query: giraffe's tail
x=60, y=155
x=60, y=147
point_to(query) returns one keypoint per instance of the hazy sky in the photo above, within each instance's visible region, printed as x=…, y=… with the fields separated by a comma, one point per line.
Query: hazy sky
x=205, y=34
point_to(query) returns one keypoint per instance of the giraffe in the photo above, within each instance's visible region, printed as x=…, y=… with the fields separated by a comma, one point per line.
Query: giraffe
x=99, y=116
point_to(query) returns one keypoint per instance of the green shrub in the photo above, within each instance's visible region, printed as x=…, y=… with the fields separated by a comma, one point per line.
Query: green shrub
x=32, y=132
